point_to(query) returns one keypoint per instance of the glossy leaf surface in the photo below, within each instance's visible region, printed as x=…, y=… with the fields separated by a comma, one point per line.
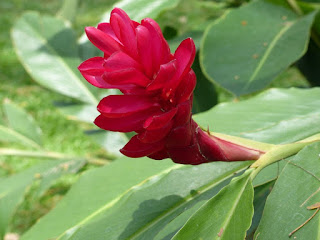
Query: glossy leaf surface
x=226, y=216
x=243, y=50
x=296, y=189
x=274, y=116
x=154, y=193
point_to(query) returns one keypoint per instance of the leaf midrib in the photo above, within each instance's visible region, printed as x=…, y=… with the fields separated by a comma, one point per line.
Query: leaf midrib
x=269, y=50
x=234, y=207
x=23, y=138
x=115, y=200
x=186, y=200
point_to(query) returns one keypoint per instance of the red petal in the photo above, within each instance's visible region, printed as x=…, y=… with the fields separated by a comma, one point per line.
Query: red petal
x=123, y=124
x=165, y=73
x=123, y=105
x=145, y=49
x=124, y=30
x=99, y=82
x=102, y=41
x=184, y=54
x=120, y=60
x=106, y=28
x=186, y=87
x=187, y=155
x=126, y=76
x=184, y=113
x=162, y=48
x=156, y=44
x=158, y=121
x=150, y=136
x=180, y=136
x=135, y=148
x=162, y=154
x=93, y=66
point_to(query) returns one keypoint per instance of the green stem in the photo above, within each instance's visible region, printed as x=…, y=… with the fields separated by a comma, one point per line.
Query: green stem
x=280, y=152
x=47, y=154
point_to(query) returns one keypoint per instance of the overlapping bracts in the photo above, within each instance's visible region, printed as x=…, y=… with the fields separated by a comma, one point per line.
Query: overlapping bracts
x=157, y=89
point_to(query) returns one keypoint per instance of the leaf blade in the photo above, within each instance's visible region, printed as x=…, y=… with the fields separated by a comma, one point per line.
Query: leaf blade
x=243, y=65
x=221, y=219
x=40, y=43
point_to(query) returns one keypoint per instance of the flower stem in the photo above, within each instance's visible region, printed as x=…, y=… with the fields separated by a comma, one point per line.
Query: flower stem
x=280, y=152
x=47, y=154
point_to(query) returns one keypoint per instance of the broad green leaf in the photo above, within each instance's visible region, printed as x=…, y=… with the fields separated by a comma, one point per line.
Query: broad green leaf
x=124, y=195
x=243, y=50
x=22, y=122
x=296, y=188
x=48, y=50
x=68, y=10
x=96, y=189
x=274, y=116
x=19, y=127
x=226, y=216
x=13, y=188
x=205, y=95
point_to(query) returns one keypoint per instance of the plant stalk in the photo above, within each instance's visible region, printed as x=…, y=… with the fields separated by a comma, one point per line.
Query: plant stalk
x=47, y=154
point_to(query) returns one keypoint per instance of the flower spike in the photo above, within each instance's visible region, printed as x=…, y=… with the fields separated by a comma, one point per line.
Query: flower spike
x=157, y=89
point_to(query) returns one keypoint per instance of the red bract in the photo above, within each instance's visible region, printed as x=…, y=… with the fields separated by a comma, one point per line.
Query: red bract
x=157, y=89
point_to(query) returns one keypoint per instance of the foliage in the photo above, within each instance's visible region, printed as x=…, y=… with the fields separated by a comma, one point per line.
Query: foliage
x=242, y=47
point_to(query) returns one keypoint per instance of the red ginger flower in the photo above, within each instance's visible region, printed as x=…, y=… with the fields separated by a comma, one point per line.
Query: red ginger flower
x=157, y=89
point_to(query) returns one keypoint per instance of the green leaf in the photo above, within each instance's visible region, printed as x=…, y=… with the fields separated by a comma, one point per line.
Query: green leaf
x=226, y=216
x=68, y=10
x=20, y=127
x=13, y=188
x=48, y=50
x=296, y=188
x=243, y=50
x=136, y=197
x=274, y=116
x=22, y=122
x=269, y=173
